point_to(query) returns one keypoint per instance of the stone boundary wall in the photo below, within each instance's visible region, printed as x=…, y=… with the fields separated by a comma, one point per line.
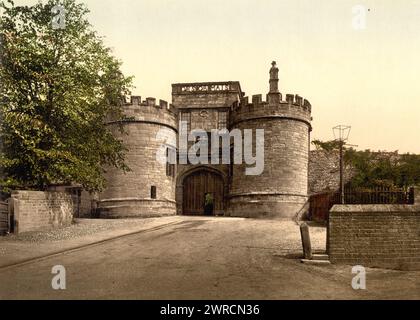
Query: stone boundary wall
x=384, y=236
x=324, y=171
x=39, y=210
x=84, y=202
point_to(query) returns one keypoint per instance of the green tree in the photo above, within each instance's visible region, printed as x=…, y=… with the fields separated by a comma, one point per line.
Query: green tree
x=58, y=85
x=409, y=170
x=374, y=169
x=327, y=145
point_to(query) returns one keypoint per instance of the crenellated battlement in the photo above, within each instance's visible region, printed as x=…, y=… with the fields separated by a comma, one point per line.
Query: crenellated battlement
x=298, y=101
x=135, y=103
x=149, y=111
x=293, y=107
x=291, y=99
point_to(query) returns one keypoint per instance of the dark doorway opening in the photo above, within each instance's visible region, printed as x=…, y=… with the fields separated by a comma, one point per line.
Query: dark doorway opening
x=203, y=194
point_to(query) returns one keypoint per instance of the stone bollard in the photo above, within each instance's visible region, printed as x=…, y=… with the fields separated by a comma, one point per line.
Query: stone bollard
x=306, y=241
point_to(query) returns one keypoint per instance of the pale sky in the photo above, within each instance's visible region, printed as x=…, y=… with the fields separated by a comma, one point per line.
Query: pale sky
x=363, y=78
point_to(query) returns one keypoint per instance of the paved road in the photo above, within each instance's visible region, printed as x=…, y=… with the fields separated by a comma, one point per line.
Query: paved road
x=201, y=258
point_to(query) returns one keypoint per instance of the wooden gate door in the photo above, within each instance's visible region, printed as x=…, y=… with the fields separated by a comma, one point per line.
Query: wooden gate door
x=320, y=205
x=4, y=218
x=196, y=186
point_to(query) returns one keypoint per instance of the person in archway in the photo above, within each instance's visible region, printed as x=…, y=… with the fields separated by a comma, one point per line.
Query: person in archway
x=208, y=204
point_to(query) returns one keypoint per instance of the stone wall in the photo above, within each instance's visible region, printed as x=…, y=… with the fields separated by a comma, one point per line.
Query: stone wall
x=129, y=194
x=282, y=188
x=385, y=236
x=206, y=94
x=84, y=202
x=204, y=119
x=38, y=210
x=324, y=171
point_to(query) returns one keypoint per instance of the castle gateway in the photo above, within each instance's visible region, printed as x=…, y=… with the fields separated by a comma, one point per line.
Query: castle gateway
x=156, y=189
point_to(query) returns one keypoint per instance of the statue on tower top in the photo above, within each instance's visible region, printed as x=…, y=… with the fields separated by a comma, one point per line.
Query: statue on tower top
x=274, y=78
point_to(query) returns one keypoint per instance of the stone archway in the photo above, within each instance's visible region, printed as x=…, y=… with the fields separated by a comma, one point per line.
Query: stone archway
x=197, y=187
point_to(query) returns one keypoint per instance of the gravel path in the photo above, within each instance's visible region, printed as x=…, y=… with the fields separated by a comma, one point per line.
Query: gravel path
x=287, y=241
x=80, y=228
x=197, y=258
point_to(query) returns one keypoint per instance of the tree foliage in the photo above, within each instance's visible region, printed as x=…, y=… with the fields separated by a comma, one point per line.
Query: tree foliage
x=57, y=88
x=326, y=145
x=374, y=169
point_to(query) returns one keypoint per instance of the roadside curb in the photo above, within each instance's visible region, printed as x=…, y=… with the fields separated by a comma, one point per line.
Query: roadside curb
x=84, y=246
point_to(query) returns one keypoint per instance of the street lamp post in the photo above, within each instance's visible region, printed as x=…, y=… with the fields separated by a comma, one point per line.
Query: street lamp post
x=341, y=134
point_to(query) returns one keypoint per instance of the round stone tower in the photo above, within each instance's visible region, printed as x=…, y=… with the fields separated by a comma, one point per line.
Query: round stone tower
x=149, y=188
x=281, y=190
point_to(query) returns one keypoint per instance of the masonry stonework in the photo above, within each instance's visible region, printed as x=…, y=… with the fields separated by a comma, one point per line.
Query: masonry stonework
x=279, y=191
x=384, y=236
x=38, y=210
x=130, y=194
x=324, y=171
